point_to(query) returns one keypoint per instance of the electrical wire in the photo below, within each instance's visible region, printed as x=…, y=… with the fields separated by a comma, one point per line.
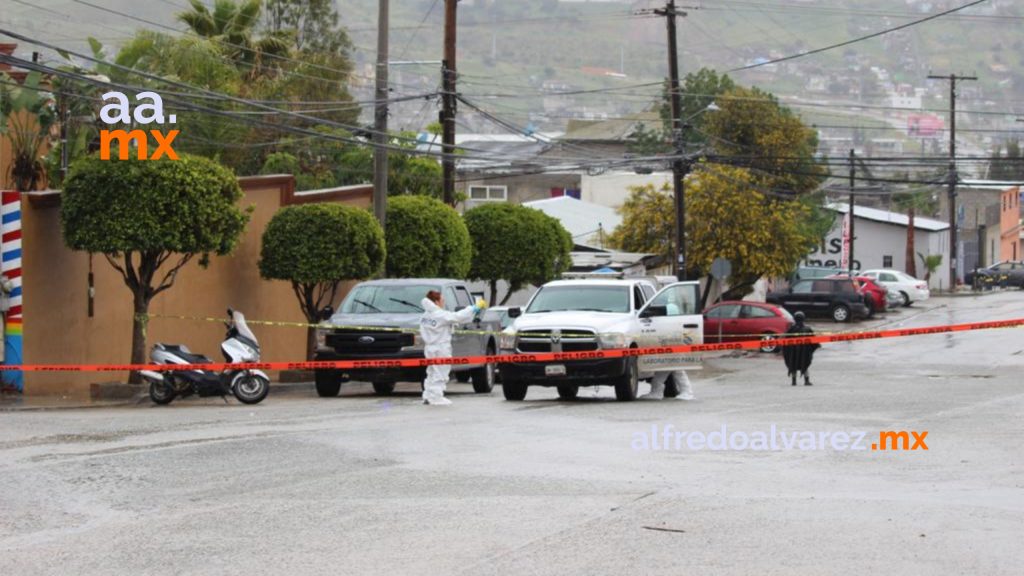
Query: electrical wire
x=856, y=40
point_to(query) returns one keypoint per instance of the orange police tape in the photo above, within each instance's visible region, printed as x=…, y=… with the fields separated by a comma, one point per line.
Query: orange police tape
x=520, y=358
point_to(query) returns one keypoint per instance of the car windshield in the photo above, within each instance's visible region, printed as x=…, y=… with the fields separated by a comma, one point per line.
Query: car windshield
x=576, y=297
x=386, y=299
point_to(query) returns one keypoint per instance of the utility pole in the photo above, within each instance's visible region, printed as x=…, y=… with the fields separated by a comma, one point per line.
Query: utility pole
x=380, y=116
x=680, y=165
x=952, y=173
x=448, y=104
x=850, y=206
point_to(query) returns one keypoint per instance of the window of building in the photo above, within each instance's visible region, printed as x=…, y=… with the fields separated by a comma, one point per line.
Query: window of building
x=886, y=261
x=488, y=193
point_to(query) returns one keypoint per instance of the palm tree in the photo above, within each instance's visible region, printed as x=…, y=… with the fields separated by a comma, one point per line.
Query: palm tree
x=234, y=24
x=26, y=115
x=911, y=202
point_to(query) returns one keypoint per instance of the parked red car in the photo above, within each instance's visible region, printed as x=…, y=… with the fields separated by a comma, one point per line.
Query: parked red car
x=875, y=295
x=742, y=320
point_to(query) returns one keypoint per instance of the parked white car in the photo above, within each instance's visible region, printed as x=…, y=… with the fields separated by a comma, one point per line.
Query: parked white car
x=909, y=288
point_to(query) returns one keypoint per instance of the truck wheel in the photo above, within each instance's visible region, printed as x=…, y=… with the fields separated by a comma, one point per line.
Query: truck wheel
x=841, y=313
x=568, y=392
x=483, y=378
x=462, y=377
x=627, y=384
x=514, y=391
x=384, y=388
x=328, y=383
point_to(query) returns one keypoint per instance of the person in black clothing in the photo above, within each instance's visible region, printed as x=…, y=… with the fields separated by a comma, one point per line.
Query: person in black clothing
x=798, y=357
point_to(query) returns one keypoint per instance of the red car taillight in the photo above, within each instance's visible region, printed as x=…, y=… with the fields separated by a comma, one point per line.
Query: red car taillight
x=922, y=286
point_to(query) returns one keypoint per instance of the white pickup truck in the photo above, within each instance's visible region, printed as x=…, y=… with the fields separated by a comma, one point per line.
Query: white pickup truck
x=588, y=315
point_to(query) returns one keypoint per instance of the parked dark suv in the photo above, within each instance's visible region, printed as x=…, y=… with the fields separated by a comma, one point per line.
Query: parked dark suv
x=834, y=297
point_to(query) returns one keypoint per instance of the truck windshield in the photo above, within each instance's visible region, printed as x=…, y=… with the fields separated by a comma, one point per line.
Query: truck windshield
x=384, y=299
x=576, y=297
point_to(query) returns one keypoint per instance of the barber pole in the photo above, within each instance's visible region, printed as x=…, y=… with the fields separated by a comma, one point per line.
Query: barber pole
x=11, y=269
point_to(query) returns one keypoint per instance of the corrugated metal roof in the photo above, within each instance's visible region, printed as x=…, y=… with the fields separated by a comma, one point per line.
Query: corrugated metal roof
x=889, y=217
x=615, y=129
x=580, y=218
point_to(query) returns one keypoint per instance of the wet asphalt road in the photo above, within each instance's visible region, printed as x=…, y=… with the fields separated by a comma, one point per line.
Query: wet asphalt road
x=369, y=485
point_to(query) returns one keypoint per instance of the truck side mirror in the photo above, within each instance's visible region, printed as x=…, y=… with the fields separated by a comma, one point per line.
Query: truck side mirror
x=515, y=312
x=654, y=311
x=327, y=312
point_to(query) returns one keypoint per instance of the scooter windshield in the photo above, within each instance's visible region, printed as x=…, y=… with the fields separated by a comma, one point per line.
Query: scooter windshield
x=243, y=329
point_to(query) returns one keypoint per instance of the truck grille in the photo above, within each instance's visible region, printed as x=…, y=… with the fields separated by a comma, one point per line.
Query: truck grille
x=533, y=341
x=370, y=342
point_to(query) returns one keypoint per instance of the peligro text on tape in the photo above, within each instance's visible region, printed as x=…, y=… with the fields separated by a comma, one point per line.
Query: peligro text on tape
x=519, y=357
x=409, y=330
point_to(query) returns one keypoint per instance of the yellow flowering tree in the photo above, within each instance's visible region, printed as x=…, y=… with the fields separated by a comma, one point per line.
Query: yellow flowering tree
x=727, y=216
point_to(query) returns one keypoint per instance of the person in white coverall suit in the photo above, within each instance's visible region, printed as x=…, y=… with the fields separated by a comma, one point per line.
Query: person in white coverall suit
x=436, y=328
x=659, y=378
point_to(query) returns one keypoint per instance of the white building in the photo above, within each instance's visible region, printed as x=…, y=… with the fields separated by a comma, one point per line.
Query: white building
x=880, y=241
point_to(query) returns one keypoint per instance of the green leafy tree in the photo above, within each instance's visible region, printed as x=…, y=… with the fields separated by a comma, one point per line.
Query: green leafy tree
x=426, y=238
x=517, y=244
x=313, y=178
x=930, y=263
x=698, y=90
x=316, y=247
x=142, y=215
x=407, y=174
x=313, y=25
x=233, y=25
x=26, y=115
x=1008, y=165
x=728, y=216
x=648, y=222
x=199, y=62
x=751, y=130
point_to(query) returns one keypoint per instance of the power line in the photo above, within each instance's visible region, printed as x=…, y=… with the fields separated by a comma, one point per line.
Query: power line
x=856, y=40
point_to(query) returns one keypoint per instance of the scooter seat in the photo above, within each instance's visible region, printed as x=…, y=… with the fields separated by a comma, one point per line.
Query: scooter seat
x=185, y=355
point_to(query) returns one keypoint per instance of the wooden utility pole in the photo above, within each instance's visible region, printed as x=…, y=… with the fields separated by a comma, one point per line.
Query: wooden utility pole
x=448, y=104
x=850, y=206
x=680, y=166
x=952, y=173
x=380, y=116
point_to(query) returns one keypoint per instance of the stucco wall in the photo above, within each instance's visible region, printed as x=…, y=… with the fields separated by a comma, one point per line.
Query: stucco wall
x=58, y=329
x=874, y=241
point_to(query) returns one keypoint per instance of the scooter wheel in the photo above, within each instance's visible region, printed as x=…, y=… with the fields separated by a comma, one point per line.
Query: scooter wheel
x=251, y=389
x=161, y=393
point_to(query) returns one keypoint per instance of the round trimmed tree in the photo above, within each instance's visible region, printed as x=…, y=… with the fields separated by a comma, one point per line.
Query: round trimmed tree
x=149, y=219
x=316, y=247
x=426, y=238
x=517, y=244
